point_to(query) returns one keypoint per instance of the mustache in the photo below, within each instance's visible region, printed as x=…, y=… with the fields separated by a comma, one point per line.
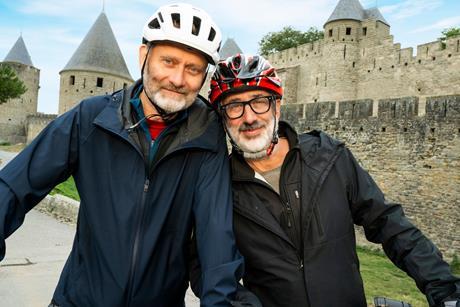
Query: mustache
x=177, y=89
x=254, y=125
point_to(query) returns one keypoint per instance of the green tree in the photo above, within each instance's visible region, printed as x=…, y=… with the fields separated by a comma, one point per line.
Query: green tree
x=10, y=85
x=451, y=32
x=287, y=38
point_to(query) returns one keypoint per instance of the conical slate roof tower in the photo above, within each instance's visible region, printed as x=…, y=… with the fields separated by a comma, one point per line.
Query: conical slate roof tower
x=353, y=10
x=14, y=113
x=19, y=53
x=96, y=68
x=99, y=51
x=229, y=48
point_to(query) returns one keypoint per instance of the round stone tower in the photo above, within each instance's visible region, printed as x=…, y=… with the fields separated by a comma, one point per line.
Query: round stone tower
x=347, y=33
x=15, y=111
x=97, y=67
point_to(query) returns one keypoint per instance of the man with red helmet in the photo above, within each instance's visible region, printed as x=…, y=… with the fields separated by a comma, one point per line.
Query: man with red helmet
x=297, y=198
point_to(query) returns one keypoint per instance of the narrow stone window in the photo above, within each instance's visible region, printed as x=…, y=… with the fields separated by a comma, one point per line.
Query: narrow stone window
x=72, y=80
x=84, y=82
x=420, y=61
x=384, y=129
x=348, y=31
x=434, y=58
x=113, y=89
x=330, y=32
x=344, y=51
x=316, y=81
x=364, y=31
x=100, y=82
x=405, y=129
x=125, y=85
x=354, y=64
x=361, y=129
x=325, y=79
x=433, y=130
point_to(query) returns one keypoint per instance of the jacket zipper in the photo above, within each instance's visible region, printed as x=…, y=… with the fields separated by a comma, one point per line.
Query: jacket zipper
x=136, y=241
x=290, y=215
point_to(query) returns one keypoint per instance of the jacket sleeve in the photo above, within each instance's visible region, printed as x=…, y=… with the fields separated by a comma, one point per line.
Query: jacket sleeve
x=404, y=244
x=221, y=263
x=34, y=172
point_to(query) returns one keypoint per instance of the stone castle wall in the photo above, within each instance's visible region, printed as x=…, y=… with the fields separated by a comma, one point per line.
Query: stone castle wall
x=414, y=159
x=78, y=85
x=14, y=112
x=350, y=67
x=36, y=123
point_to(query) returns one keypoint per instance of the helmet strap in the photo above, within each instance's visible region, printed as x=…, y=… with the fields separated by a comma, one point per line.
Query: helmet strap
x=275, y=137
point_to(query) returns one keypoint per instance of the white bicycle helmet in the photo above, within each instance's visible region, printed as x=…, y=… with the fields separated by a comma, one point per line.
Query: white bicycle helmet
x=187, y=25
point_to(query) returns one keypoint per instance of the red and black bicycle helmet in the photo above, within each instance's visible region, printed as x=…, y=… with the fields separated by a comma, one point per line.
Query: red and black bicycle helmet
x=242, y=72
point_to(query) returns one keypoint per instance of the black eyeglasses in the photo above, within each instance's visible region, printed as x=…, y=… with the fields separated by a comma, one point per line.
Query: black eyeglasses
x=258, y=105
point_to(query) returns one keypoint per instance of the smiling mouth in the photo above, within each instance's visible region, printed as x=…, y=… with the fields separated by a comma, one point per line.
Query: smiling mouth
x=173, y=91
x=251, y=131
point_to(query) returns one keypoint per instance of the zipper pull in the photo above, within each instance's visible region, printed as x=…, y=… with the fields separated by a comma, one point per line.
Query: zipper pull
x=296, y=194
x=289, y=213
x=146, y=185
x=301, y=264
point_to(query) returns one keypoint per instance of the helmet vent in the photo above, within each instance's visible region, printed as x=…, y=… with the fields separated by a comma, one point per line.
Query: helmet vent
x=196, y=25
x=176, y=20
x=154, y=24
x=161, y=17
x=212, y=34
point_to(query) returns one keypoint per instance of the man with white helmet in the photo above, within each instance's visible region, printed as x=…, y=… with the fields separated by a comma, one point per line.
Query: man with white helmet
x=150, y=165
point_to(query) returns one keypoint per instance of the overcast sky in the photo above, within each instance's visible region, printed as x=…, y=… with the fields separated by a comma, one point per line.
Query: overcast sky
x=53, y=29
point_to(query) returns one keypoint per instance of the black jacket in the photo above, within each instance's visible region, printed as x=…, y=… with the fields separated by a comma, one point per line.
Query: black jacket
x=323, y=187
x=135, y=219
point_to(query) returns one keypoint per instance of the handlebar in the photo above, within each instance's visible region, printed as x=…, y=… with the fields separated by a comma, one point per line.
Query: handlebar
x=385, y=302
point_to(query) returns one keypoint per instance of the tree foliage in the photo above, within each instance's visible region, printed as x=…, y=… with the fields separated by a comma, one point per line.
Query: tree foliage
x=451, y=32
x=287, y=38
x=10, y=85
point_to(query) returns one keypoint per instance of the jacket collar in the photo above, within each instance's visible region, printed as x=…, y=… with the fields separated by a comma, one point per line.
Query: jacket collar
x=201, y=128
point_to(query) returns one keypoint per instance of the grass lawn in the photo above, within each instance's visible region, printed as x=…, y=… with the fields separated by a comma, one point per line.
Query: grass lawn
x=382, y=278
x=67, y=188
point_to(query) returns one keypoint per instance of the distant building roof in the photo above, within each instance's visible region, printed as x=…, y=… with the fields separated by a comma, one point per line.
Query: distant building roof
x=347, y=9
x=229, y=48
x=374, y=13
x=19, y=53
x=99, y=51
x=352, y=9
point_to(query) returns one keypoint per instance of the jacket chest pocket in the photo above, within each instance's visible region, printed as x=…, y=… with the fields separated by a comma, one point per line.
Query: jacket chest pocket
x=290, y=219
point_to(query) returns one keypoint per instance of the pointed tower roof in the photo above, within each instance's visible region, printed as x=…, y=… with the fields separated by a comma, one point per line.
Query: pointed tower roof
x=374, y=13
x=99, y=51
x=347, y=9
x=19, y=53
x=229, y=48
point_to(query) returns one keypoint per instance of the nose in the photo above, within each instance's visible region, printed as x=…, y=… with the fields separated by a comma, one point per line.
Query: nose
x=177, y=77
x=249, y=116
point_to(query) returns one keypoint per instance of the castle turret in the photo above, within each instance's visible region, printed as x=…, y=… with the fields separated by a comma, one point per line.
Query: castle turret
x=229, y=48
x=97, y=67
x=15, y=111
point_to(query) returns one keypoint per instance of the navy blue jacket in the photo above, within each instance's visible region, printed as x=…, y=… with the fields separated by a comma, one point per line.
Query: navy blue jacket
x=135, y=220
